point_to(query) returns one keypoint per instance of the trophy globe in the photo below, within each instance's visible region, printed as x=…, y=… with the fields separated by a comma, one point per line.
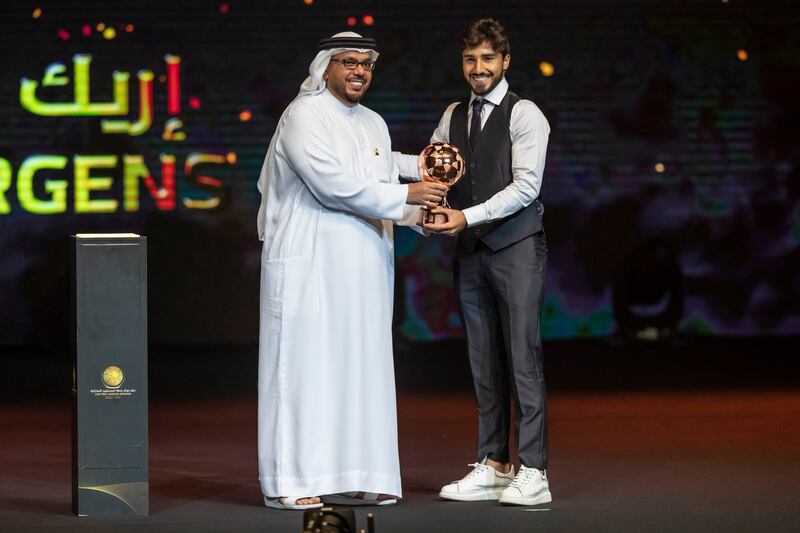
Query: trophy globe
x=441, y=162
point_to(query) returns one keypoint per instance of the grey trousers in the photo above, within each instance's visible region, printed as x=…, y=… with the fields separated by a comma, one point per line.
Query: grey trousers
x=500, y=295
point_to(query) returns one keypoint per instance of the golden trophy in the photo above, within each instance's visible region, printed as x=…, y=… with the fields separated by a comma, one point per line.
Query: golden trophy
x=442, y=163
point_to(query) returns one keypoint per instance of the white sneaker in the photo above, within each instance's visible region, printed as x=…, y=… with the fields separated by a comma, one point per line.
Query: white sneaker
x=483, y=483
x=530, y=487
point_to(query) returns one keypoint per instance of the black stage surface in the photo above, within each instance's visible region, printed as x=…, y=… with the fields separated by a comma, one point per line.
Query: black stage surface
x=692, y=435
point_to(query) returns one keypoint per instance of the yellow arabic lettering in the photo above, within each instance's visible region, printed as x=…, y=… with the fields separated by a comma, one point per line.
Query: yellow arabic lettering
x=145, y=109
x=172, y=130
x=52, y=76
x=81, y=105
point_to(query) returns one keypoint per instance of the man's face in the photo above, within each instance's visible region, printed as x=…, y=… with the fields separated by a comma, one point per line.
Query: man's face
x=349, y=86
x=483, y=67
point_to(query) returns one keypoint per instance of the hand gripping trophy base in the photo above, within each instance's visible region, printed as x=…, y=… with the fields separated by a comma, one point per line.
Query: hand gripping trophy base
x=427, y=217
x=441, y=163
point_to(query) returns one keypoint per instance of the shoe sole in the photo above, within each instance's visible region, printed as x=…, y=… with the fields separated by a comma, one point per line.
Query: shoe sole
x=542, y=497
x=477, y=496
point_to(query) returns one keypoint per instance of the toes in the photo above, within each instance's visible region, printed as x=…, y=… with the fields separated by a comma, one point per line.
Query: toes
x=300, y=501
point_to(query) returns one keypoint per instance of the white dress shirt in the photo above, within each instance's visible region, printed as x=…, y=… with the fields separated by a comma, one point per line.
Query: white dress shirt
x=529, y=133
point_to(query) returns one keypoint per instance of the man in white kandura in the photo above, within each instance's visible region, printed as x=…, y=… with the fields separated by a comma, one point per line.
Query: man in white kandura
x=327, y=423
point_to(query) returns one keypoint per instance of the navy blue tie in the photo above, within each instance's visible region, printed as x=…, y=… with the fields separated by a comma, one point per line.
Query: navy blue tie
x=475, y=123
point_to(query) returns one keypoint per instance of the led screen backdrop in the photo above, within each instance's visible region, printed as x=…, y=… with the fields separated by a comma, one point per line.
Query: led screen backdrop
x=671, y=186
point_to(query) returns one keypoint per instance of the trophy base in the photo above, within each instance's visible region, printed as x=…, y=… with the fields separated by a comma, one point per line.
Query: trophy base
x=426, y=217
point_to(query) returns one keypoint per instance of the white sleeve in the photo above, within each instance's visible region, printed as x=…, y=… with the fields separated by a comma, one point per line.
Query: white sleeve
x=406, y=165
x=310, y=151
x=411, y=217
x=529, y=133
x=410, y=212
x=442, y=131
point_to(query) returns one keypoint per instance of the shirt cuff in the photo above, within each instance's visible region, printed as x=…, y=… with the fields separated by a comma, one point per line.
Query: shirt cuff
x=475, y=215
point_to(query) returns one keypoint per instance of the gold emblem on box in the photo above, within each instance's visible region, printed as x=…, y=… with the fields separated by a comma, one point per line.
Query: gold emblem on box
x=113, y=377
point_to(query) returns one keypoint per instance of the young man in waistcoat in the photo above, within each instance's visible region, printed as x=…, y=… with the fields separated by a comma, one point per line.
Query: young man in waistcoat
x=499, y=268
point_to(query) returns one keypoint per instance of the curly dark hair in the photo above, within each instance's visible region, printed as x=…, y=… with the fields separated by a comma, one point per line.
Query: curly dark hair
x=489, y=30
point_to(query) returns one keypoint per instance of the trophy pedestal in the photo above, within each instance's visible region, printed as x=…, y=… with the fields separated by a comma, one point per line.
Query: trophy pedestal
x=426, y=217
x=109, y=391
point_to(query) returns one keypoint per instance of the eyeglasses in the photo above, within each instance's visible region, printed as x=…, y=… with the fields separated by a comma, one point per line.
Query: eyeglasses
x=352, y=64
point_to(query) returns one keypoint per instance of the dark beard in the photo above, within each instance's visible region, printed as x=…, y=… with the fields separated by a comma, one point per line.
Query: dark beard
x=491, y=87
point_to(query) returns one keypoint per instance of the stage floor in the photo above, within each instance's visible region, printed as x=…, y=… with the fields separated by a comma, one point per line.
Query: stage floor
x=702, y=435
x=691, y=461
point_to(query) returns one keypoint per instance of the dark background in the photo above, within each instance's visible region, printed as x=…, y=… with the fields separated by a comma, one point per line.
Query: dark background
x=708, y=246
x=671, y=311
